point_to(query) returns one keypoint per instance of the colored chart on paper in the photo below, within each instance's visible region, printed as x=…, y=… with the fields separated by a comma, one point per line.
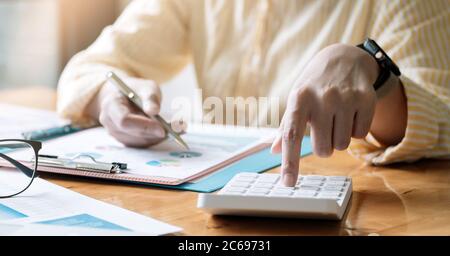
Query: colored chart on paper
x=7, y=213
x=164, y=162
x=5, y=150
x=185, y=154
x=84, y=220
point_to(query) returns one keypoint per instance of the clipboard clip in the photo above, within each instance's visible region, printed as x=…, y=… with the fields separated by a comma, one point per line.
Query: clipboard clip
x=79, y=163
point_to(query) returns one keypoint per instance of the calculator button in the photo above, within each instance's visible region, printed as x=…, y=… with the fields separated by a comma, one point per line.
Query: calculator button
x=337, y=183
x=271, y=178
x=312, y=182
x=245, y=179
x=315, y=177
x=333, y=188
x=337, y=178
x=240, y=184
x=331, y=192
x=305, y=187
x=282, y=186
x=259, y=182
x=235, y=189
x=283, y=189
x=263, y=185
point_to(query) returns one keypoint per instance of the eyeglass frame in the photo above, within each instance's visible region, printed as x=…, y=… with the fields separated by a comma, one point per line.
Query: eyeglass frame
x=37, y=146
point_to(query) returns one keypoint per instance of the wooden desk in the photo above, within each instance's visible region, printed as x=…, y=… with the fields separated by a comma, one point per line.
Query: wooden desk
x=403, y=199
x=33, y=96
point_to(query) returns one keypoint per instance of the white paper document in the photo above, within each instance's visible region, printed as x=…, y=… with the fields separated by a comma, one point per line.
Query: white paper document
x=14, y=120
x=209, y=148
x=45, y=203
x=53, y=230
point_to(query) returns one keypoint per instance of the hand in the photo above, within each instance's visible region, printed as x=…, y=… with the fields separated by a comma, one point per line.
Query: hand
x=335, y=95
x=124, y=121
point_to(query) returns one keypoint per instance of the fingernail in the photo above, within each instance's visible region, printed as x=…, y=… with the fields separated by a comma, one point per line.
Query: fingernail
x=272, y=149
x=274, y=143
x=288, y=179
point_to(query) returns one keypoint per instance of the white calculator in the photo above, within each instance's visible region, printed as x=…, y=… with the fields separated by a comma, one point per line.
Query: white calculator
x=253, y=194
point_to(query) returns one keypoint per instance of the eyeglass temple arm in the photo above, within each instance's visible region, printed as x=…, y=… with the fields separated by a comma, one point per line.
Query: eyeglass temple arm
x=27, y=171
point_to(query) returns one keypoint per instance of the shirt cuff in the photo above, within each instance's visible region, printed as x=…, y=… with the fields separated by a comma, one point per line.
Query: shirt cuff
x=421, y=135
x=75, y=94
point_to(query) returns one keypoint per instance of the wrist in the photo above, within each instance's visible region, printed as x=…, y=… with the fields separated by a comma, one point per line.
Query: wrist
x=95, y=106
x=369, y=66
x=387, y=67
x=390, y=117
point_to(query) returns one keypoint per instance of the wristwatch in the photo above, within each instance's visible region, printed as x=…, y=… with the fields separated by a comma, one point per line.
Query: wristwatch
x=387, y=66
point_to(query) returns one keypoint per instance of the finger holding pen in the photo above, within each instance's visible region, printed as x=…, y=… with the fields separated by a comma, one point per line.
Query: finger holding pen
x=138, y=103
x=126, y=122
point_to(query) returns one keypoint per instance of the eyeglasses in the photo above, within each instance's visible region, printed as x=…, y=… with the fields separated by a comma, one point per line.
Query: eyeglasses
x=17, y=175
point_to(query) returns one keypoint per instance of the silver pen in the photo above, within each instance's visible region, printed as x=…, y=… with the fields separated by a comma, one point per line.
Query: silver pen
x=134, y=98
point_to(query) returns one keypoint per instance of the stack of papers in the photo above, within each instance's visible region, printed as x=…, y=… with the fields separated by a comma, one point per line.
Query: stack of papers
x=45, y=203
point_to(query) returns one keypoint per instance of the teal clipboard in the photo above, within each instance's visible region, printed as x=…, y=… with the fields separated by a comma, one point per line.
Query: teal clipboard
x=258, y=162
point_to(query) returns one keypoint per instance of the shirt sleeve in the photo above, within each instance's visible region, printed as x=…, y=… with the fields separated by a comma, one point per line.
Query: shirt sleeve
x=415, y=34
x=149, y=40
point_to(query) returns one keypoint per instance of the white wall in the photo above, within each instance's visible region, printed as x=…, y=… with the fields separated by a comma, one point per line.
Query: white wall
x=28, y=43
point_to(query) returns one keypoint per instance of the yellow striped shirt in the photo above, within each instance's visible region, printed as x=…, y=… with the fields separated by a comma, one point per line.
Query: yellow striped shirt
x=258, y=48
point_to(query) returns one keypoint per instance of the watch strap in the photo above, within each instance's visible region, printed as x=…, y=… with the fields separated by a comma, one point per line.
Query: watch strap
x=382, y=78
x=384, y=74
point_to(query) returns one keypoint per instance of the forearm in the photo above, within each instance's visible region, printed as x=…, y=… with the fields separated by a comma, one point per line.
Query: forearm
x=390, y=118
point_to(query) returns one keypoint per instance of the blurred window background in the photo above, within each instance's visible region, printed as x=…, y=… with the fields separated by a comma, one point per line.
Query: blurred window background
x=38, y=37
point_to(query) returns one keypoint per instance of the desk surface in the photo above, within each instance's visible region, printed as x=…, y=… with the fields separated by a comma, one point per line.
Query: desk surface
x=403, y=199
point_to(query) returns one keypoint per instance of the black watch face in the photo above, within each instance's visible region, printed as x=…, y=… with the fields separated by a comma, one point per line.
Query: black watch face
x=381, y=56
